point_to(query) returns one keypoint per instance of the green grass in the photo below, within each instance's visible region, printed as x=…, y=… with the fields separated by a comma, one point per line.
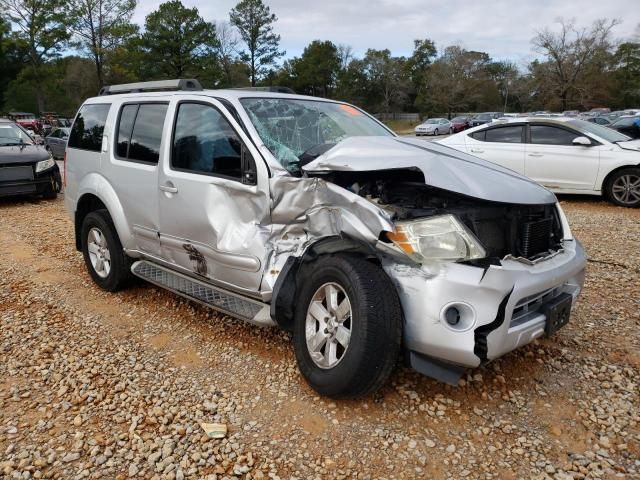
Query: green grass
x=401, y=126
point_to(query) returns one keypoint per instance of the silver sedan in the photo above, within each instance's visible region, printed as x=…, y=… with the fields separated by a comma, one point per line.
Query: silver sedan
x=56, y=142
x=434, y=126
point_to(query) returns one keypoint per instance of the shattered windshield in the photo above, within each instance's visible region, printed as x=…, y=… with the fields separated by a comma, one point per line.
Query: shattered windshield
x=300, y=130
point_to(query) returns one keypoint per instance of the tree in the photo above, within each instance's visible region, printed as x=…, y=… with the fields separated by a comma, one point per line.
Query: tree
x=627, y=74
x=177, y=42
x=100, y=26
x=569, y=54
x=254, y=22
x=226, y=50
x=386, y=79
x=41, y=26
x=12, y=56
x=424, y=52
x=316, y=71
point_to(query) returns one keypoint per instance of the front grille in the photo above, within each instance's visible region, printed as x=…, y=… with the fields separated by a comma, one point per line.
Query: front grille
x=9, y=174
x=535, y=237
x=530, y=307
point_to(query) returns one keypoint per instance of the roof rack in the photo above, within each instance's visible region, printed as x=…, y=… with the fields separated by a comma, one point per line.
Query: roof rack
x=188, y=84
x=274, y=89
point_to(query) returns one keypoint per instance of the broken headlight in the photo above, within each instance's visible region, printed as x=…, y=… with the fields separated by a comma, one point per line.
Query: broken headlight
x=44, y=165
x=441, y=239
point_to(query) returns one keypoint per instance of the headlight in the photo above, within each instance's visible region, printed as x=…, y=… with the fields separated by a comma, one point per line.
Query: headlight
x=443, y=238
x=44, y=165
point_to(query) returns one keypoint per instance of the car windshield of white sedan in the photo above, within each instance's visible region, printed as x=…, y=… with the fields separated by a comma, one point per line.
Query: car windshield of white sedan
x=609, y=134
x=295, y=130
x=13, y=135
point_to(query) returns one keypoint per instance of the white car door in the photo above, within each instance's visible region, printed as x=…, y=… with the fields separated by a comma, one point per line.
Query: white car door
x=555, y=162
x=503, y=144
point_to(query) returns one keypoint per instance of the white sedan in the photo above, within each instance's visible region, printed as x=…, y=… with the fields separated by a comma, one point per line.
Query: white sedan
x=434, y=126
x=566, y=155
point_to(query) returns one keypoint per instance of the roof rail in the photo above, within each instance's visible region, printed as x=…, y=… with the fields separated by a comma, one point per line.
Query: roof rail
x=155, y=86
x=275, y=89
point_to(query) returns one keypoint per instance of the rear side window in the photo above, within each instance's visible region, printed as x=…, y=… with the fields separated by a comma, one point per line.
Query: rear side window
x=87, y=130
x=204, y=142
x=479, y=135
x=547, y=135
x=140, y=132
x=511, y=134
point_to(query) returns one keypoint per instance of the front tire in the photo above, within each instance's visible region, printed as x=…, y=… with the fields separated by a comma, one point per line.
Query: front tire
x=435, y=133
x=104, y=257
x=348, y=326
x=623, y=188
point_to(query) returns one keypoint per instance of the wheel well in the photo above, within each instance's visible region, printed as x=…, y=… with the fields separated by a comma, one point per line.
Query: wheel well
x=285, y=289
x=88, y=203
x=613, y=172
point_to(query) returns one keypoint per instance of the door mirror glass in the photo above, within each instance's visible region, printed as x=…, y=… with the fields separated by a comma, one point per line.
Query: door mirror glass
x=584, y=141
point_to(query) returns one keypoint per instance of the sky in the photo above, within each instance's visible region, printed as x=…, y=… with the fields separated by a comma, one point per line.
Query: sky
x=502, y=28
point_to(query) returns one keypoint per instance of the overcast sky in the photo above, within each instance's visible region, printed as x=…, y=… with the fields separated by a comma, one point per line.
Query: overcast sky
x=502, y=28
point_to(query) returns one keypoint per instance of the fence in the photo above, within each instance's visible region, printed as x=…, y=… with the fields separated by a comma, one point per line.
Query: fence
x=408, y=117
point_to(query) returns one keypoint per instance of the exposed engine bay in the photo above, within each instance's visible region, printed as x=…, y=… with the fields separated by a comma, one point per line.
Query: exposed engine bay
x=523, y=231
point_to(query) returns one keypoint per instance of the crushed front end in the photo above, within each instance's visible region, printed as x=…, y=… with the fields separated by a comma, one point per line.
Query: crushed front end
x=473, y=304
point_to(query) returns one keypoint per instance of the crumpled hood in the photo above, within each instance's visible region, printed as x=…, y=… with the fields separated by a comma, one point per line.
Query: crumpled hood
x=25, y=154
x=442, y=166
x=633, y=145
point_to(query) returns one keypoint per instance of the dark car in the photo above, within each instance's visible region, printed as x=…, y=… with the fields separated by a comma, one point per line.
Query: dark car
x=56, y=142
x=459, y=124
x=629, y=126
x=486, y=117
x=604, y=121
x=25, y=168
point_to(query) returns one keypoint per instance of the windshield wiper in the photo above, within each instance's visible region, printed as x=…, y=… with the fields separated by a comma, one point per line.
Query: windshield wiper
x=11, y=144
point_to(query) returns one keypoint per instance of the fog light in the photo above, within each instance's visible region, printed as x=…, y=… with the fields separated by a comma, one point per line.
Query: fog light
x=458, y=316
x=452, y=316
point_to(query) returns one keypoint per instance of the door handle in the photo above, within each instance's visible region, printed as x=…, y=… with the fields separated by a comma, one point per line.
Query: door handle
x=477, y=150
x=169, y=188
x=536, y=154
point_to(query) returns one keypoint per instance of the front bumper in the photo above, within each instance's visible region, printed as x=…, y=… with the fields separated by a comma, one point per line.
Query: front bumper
x=502, y=307
x=38, y=184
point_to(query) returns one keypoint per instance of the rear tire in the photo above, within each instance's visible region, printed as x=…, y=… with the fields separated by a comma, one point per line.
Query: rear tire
x=623, y=187
x=104, y=257
x=351, y=350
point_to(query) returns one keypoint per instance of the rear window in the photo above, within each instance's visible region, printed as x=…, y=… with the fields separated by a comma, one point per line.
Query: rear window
x=511, y=134
x=87, y=130
x=140, y=132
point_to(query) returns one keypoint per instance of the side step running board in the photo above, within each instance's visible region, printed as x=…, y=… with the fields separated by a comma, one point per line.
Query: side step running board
x=227, y=302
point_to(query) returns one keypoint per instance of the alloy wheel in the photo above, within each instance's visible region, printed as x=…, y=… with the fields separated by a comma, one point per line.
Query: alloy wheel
x=99, y=252
x=328, y=325
x=626, y=189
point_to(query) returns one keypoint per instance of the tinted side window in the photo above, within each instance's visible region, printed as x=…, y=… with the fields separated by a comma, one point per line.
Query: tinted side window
x=125, y=126
x=147, y=133
x=546, y=135
x=512, y=134
x=204, y=142
x=479, y=135
x=86, y=132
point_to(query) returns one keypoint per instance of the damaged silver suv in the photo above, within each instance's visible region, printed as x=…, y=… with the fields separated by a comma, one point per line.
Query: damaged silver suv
x=311, y=215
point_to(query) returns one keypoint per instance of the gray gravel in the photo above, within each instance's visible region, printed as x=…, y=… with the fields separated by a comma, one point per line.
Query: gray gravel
x=96, y=385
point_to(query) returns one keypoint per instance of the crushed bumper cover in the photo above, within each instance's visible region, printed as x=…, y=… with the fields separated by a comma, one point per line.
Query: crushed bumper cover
x=501, y=307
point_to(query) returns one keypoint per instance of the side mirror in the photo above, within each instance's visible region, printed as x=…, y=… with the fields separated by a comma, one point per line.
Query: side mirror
x=582, y=141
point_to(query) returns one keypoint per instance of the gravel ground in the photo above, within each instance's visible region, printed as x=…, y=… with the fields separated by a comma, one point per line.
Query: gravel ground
x=97, y=385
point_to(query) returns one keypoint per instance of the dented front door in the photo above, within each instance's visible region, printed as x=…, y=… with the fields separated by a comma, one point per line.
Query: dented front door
x=214, y=216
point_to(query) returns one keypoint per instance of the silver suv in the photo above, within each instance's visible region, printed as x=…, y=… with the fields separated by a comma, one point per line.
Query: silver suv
x=311, y=215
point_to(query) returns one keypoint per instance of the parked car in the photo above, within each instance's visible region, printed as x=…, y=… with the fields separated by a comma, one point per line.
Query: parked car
x=600, y=111
x=56, y=142
x=26, y=120
x=482, y=118
x=434, y=126
x=311, y=215
x=565, y=155
x=599, y=120
x=25, y=168
x=570, y=113
x=628, y=125
x=460, y=123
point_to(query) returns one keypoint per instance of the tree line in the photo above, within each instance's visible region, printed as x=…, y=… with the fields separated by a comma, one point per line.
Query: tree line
x=56, y=53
